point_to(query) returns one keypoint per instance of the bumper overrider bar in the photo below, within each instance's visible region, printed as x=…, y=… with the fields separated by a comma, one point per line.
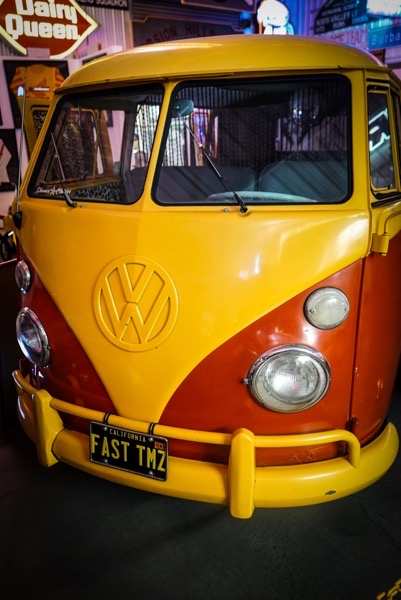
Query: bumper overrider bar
x=240, y=484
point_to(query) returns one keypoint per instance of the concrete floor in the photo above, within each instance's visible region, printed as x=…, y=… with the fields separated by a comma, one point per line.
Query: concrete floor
x=68, y=535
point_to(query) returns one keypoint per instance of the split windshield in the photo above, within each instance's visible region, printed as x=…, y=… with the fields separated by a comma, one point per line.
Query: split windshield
x=269, y=141
x=95, y=142
x=246, y=141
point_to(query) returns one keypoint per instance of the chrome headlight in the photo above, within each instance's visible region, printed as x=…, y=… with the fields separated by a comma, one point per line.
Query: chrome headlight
x=289, y=379
x=326, y=308
x=23, y=276
x=32, y=338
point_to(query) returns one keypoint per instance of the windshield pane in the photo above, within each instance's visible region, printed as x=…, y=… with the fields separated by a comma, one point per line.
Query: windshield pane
x=268, y=140
x=94, y=144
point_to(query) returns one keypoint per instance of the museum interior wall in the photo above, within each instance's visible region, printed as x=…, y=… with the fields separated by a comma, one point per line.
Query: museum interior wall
x=123, y=24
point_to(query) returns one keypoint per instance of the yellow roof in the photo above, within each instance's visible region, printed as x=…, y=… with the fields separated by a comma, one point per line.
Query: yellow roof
x=222, y=54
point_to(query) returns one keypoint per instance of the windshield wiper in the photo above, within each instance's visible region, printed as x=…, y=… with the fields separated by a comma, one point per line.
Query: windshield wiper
x=57, y=156
x=243, y=206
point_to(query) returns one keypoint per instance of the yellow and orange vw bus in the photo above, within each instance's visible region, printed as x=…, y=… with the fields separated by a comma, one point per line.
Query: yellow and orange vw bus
x=209, y=259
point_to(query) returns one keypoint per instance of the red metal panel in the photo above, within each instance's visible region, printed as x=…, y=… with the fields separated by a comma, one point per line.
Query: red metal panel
x=378, y=343
x=70, y=375
x=213, y=397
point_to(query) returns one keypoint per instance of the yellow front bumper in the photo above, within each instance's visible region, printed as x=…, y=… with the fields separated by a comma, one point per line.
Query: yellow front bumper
x=240, y=484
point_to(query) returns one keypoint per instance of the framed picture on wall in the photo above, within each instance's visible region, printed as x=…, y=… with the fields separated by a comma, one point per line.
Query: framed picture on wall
x=39, y=78
x=8, y=160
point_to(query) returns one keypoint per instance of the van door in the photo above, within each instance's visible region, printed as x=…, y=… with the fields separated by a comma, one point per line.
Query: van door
x=378, y=342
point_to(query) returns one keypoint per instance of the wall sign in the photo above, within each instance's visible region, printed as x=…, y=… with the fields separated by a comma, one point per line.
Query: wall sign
x=58, y=25
x=240, y=5
x=166, y=30
x=353, y=36
x=384, y=37
x=338, y=14
x=115, y=4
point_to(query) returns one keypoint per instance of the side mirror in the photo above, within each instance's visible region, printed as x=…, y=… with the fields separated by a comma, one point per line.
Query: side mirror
x=183, y=108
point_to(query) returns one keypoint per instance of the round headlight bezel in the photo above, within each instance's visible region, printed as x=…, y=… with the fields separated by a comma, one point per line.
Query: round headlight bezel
x=32, y=338
x=317, y=308
x=23, y=276
x=267, y=396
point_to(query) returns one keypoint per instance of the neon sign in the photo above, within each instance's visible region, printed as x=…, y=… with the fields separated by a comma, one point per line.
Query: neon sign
x=378, y=130
x=59, y=26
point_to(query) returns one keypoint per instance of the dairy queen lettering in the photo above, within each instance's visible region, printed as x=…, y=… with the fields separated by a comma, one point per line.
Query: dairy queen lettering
x=59, y=26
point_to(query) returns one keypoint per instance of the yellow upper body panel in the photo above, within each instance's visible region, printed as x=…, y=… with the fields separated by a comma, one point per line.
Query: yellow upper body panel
x=224, y=271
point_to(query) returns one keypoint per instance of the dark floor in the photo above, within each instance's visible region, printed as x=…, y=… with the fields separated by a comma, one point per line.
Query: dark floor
x=68, y=535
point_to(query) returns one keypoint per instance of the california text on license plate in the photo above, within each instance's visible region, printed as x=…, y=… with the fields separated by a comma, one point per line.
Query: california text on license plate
x=131, y=451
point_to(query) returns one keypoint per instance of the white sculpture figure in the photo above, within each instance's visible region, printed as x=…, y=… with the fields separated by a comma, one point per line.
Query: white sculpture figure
x=274, y=17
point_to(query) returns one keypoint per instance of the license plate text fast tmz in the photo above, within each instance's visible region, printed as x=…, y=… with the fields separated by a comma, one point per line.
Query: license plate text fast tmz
x=132, y=451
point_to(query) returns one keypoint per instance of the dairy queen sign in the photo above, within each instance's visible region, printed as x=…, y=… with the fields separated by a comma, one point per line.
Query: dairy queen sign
x=59, y=26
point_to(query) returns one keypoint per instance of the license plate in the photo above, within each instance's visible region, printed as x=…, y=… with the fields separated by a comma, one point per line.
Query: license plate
x=131, y=451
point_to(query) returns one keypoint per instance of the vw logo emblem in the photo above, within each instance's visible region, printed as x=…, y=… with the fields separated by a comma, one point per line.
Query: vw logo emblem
x=135, y=303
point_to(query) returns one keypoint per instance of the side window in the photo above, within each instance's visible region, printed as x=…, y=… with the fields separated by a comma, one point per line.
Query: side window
x=397, y=111
x=381, y=157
